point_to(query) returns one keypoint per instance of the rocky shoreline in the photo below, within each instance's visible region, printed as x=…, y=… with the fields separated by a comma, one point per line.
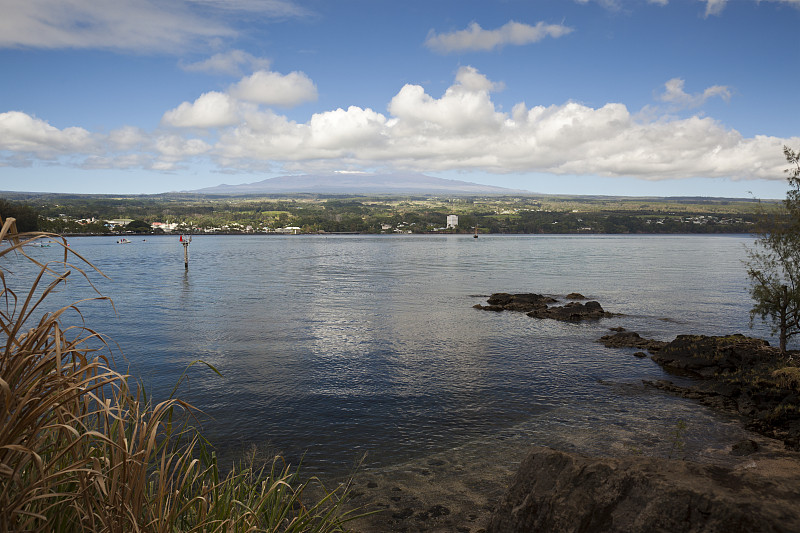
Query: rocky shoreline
x=555, y=491
x=751, y=487
x=734, y=374
x=558, y=491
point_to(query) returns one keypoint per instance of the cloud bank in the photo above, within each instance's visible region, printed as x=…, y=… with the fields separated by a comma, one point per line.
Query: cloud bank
x=461, y=129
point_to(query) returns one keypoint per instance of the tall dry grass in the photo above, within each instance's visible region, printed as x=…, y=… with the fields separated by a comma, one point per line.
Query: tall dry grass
x=82, y=448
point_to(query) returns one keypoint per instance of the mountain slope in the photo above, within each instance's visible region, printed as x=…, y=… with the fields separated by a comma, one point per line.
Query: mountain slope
x=346, y=183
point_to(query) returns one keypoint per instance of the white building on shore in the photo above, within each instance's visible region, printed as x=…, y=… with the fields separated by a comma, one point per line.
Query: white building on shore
x=452, y=221
x=168, y=227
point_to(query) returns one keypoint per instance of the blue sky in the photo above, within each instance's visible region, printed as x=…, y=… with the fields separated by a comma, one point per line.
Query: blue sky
x=618, y=97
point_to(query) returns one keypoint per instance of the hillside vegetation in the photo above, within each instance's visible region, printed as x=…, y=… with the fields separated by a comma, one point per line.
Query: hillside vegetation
x=391, y=214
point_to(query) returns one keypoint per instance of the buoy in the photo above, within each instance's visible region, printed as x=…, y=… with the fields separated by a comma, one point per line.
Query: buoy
x=186, y=242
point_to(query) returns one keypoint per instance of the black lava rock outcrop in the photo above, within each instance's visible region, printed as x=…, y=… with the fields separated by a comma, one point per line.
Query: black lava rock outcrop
x=630, y=339
x=522, y=302
x=703, y=356
x=537, y=306
x=572, y=312
x=737, y=374
x=556, y=491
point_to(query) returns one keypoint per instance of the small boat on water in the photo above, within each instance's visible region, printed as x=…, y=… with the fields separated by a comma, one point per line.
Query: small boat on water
x=476, y=231
x=39, y=244
x=123, y=241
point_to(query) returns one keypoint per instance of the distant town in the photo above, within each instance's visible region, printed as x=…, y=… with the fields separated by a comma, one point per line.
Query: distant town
x=315, y=214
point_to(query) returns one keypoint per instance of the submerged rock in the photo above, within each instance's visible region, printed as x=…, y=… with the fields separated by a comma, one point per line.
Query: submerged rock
x=496, y=308
x=563, y=492
x=744, y=447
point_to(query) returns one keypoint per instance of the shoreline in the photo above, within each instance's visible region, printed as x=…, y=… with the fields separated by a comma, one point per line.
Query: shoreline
x=461, y=489
x=466, y=234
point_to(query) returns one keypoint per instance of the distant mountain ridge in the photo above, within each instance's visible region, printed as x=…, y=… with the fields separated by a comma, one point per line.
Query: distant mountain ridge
x=358, y=183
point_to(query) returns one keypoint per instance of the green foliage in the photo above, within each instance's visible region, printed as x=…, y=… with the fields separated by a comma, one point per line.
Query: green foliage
x=792, y=201
x=139, y=226
x=774, y=265
x=27, y=218
x=774, y=271
x=678, y=441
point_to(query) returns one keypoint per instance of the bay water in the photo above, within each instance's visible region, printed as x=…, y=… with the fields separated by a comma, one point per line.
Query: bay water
x=333, y=346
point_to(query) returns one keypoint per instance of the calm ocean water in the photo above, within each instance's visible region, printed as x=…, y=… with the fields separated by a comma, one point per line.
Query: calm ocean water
x=331, y=346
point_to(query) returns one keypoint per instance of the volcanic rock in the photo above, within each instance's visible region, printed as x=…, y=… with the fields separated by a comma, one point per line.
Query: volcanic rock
x=704, y=356
x=536, y=306
x=572, y=312
x=744, y=447
x=630, y=339
x=556, y=491
x=740, y=375
x=523, y=302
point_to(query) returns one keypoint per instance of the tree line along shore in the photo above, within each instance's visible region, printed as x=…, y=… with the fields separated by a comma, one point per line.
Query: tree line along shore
x=307, y=213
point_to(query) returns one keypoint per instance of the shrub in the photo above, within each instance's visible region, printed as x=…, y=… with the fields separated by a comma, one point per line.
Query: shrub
x=788, y=377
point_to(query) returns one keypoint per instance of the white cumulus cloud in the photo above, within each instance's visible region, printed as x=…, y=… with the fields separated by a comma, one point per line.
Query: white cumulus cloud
x=477, y=38
x=342, y=129
x=176, y=147
x=128, y=138
x=174, y=151
x=674, y=94
x=20, y=132
x=211, y=110
x=466, y=106
x=273, y=88
x=461, y=129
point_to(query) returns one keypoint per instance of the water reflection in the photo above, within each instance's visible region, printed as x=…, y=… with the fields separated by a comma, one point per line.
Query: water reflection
x=333, y=345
